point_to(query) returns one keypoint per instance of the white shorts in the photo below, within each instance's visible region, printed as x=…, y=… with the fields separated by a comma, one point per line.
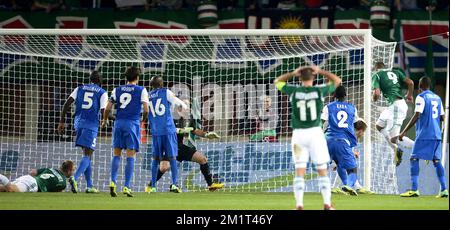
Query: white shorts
x=392, y=118
x=309, y=144
x=26, y=184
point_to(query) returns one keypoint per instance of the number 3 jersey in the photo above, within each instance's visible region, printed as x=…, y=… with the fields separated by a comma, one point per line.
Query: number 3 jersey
x=428, y=126
x=89, y=100
x=340, y=117
x=128, y=100
x=160, y=117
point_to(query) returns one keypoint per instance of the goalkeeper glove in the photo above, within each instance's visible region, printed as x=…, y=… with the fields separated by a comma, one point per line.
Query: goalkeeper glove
x=212, y=135
x=185, y=130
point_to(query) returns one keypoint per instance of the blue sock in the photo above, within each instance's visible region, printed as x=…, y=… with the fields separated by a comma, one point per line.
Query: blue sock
x=440, y=174
x=342, y=174
x=88, y=175
x=352, y=179
x=84, y=163
x=155, y=169
x=115, y=168
x=414, y=174
x=129, y=170
x=174, y=170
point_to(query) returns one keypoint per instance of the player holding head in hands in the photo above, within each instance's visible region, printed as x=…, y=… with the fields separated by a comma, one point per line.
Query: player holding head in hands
x=429, y=113
x=341, y=118
x=164, y=133
x=90, y=101
x=128, y=100
x=390, y=83
x=308, y=140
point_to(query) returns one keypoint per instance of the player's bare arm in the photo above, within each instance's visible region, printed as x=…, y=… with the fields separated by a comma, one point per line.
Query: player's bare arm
x=107, y=112
x=145, y=112
x=64, y=111
x=376, y=94
x=410, y=124
x=410, y=84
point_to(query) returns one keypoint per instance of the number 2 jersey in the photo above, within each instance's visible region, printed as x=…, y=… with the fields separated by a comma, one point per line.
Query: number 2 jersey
x=50, y=180
x=89, y=99
x=340, y=117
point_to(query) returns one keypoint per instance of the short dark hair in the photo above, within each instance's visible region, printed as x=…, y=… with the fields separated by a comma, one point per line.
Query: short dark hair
x=360, y=124
x=132, y=73
x=156, y=82
x=67, y=166
x=306, y=74
x=379, y=65
x=96, y=77
x=340, y=92
x=424, y=82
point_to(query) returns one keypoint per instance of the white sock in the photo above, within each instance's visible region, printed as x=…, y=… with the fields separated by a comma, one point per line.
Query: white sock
x=406, y=144
x=325, y=189
x=387, y=137
x=3, y=180
x=299, y=189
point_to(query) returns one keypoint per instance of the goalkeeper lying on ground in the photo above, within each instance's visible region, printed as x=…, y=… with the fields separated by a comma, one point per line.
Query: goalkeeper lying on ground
x=40, y=180
x=187, y=150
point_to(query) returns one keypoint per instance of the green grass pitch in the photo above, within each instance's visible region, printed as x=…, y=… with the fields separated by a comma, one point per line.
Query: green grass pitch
x=212, y=200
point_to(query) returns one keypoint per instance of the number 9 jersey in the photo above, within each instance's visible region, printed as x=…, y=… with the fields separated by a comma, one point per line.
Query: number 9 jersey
x=128, y=101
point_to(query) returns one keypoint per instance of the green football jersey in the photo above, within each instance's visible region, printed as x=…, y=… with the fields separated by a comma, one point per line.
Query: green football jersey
x=390, y=83
x=50, y=180
x=306, y=103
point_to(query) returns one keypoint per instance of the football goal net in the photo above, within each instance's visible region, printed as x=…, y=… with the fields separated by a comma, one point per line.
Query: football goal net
x=226, y=77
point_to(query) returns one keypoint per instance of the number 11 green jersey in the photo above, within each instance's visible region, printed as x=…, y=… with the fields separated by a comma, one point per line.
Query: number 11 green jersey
x=306, y=103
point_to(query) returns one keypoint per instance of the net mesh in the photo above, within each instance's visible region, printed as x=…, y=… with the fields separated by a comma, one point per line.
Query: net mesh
x=227, y=81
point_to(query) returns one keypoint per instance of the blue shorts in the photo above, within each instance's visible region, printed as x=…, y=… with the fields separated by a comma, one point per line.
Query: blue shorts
x=341, y=153
x=86, y=138
x=427, y=150
x=127, y=134
x=165, y=146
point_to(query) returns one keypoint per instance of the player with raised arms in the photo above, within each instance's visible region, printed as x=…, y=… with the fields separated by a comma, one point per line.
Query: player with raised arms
x=187, y=151
x=390, y=83
x=164, y=136
x=340, y=118
x=308, y=139
x=90, y=101
x=429, y=113
x=128, y=100
x=40, y=180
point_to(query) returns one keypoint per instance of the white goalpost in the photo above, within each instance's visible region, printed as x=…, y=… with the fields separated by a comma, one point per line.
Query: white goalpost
x=225, y=75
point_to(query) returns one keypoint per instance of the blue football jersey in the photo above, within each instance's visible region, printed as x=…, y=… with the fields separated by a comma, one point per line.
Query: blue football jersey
x=87, y=103
x=128, y=101
x=341, y=116
x=428, y=125
x=160, y=116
